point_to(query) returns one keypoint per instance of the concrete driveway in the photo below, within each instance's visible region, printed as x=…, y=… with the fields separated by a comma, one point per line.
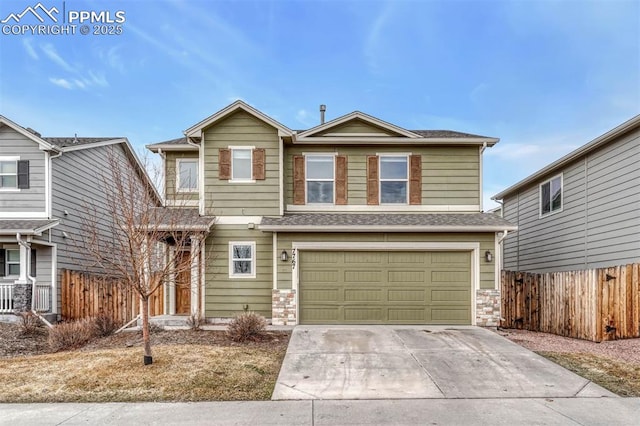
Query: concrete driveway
x=395, y=362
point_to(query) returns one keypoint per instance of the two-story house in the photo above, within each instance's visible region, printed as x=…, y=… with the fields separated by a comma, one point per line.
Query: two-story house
x=581, y=211
x=354, y=221
x=46, y=187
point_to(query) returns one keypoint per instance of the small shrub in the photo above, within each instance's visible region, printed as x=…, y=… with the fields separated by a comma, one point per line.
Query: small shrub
x=196, y=321
x=105, y=325
x=246, y=326
x=29, y=324
x=71, y=335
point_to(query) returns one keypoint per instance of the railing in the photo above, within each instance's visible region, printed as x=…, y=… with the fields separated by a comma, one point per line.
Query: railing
x=6, y=298
x=42, y=299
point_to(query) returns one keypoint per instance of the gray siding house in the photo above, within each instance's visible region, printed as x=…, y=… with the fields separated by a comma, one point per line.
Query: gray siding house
x=353, y=221
x=46, y=184
x=581, y=211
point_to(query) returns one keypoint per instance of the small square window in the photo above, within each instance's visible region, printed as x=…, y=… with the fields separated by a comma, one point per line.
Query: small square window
x=242, y=259
x=241, y=164
x=187, y=175
x=551, y=196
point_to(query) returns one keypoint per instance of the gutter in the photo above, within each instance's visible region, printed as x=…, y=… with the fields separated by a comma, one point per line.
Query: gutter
x=27, y=246
x=382, y=228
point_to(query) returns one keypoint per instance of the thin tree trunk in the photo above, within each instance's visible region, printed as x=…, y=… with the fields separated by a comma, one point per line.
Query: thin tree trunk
x=146, y=337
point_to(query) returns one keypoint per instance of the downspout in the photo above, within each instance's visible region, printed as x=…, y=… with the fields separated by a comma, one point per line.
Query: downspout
x=27, y=246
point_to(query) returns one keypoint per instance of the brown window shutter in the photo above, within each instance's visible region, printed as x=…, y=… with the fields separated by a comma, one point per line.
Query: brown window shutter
x=298, y=180
x=258, y=163
x=224, y=164
x=341, y=179
x=415, y=179
x=372, y=180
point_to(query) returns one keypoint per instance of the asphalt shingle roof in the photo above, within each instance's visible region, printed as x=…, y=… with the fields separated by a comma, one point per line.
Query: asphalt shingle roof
x=445, y=134
x=444, y=221
x=64, y=142
x=25, y=226
x=174, y=218
x=177, y=141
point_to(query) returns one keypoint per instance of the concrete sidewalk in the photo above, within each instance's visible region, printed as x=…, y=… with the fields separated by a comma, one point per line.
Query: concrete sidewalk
x=495, y=412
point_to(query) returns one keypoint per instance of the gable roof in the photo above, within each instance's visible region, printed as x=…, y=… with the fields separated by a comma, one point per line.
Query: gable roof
x=361, y=116
x=194, y=131
x=595, y=144
x=28, y=133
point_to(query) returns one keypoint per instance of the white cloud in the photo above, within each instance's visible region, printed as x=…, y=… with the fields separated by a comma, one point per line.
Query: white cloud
x=28, y=46
x=51, y=52
x=305, y=118
x=61, y=82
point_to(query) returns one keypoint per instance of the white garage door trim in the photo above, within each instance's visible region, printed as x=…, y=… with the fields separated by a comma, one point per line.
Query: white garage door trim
x=474, y=248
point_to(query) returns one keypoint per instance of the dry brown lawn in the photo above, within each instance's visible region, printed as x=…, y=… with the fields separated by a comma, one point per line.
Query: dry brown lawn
x=614, y=365
x=187, y=366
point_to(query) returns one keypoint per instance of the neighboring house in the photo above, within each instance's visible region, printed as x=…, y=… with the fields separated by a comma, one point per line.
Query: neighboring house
x=46, y=185
x=581, y=211
x=354, y=221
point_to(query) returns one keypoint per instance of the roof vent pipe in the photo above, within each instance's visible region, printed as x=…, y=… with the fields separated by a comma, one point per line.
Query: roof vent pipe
x=323, y=108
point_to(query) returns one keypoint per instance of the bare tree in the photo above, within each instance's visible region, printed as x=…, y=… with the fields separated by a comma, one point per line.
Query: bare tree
x=127, y=235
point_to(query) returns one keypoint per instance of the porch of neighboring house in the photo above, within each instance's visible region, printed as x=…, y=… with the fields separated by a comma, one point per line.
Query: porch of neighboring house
x=27, y=269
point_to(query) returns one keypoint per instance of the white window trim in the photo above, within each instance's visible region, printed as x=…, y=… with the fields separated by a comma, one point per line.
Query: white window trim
x=187, y=160
x=244, y=148
x=551, y=213
x=232, y=275
x=16, y=159
x=380, y=180
x=7, y=263
x=333, y=179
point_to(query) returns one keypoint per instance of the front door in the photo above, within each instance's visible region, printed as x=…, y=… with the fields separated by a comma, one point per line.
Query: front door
x=183, y=282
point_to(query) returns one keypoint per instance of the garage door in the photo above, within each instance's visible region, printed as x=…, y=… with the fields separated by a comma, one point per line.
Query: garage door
x=375, y=287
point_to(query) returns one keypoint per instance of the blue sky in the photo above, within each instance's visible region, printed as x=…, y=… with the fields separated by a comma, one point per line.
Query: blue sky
x=543, y=76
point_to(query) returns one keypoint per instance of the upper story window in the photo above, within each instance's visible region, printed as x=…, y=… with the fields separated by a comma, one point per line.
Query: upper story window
x=8, y=174
x=242, y=260
x=187, y=175
x=320, y=179
x=394, y=179
x=241, y=164
x=551, y=196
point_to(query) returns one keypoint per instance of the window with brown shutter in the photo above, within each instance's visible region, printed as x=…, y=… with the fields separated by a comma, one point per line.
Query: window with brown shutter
x=372, y=180
x=258, y=164
x=415, y=180
x=298, y=180
x=341, y=180
x=224, y=164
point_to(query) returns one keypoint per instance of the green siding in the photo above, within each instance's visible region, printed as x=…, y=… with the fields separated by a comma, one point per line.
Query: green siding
x=450, y=175
x=237, y=199
x=356, y=126
x=170, y=177
x=226, y=297
x=398, y=287
x=486, y=240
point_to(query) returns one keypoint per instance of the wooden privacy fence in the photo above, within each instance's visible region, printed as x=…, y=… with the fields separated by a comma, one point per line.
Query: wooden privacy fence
x=87, y=295
x=596, y=304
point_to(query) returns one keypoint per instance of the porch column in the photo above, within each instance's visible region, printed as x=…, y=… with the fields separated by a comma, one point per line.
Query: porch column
x=24, y=264
x=195, y=274
x=172, y=281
